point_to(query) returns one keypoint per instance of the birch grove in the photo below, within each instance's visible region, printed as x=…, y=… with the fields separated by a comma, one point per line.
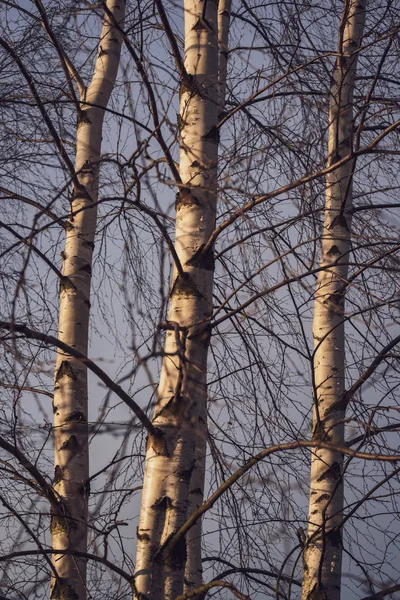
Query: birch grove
x=199, y=265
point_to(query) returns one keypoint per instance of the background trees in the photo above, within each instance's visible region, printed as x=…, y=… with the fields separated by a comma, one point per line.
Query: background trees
x=273, y=167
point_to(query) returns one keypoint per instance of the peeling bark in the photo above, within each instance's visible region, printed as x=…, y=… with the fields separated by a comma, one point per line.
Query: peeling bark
x=69, y=532
x=323, y=548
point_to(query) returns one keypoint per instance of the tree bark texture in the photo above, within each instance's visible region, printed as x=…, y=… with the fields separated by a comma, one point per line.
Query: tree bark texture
x=323, y=546
x=169, y=489
x=69, y=530
x=193, y=568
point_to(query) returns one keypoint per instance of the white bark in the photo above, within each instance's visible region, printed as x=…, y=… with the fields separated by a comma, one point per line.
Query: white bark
x=70, y=387
x=193, y=568
x=323, y=548
x=224, y=15
x=182, y=392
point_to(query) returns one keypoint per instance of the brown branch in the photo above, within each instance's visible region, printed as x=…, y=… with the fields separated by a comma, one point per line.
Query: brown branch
x=209, y=503
x=50, y=340
x=28, y=243
x=294, y=184
x=30, y=532
x=383, y=593
x=203, y=589
x=46, y=118
x=153, y=103
x=347, y=396
x=46, y=489
x=43, y=209
x=172, y=41
x=22, y=553
x=68, y=67
x=26, y=388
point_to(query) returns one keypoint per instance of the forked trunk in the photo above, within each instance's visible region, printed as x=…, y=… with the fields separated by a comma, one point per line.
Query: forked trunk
x=182, y=392
x=69, y=532
x=323, y=547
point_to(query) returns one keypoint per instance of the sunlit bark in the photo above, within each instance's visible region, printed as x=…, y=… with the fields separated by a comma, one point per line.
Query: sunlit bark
x=182, y=392
x=323, y=548
x=193, y=568
x=70, y=388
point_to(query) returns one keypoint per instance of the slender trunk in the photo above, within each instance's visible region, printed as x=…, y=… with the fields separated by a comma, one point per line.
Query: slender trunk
x=70, y=388
x=182, y=392
x=193, y=569
x=224, y=16
x=323, y=548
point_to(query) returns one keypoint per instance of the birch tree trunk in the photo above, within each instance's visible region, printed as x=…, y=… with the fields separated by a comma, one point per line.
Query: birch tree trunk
x=193, y=569
x=71, y=472
x=182, y=392
x=323, y=546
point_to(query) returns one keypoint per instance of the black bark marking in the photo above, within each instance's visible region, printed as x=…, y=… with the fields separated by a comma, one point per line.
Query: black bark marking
x=184, y=286
x=71, y=444
x=87, y=167
x=200, y=25
x=185, y=198
x=76, y=417
x=322, y=498
x=142, y=537
x=201, y=335
x=332, y=473
x=319, y=432
x=157, y=443
x=334, y=537
x=186, y=86
x=339, y=406
x=340, y=221
x=317, y=593
x=336, y=298
x=175, y=558
x=63, y=591
x=83, y=118
x=61, y=524
x=84, y=489
x=213, y=135
x=58, y=474
x=186, y=474
x=334, y=251
x=202, y=260
x=87, y=268
x=162, y=504
x=66, y=284
x=65, y=370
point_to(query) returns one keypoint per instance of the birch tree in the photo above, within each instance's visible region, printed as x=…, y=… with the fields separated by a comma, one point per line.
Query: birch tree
x=193, y=566
x=202, y=309
x=71, y=472
x=322, y=554
x=168, y=488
